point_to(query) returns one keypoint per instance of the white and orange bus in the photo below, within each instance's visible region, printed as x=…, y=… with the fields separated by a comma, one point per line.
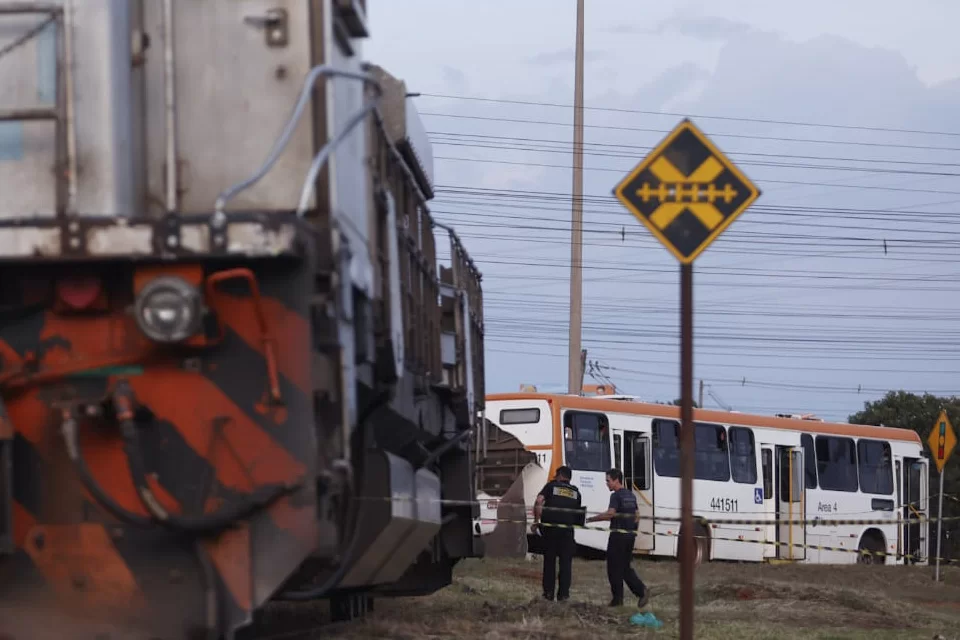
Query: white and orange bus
x=791, y=472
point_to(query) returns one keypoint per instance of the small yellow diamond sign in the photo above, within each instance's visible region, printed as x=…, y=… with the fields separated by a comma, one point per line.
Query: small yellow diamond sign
x=942, y=441
x=686, y=192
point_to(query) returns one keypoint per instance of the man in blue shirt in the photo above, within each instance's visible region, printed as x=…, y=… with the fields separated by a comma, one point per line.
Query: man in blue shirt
x=622, y=514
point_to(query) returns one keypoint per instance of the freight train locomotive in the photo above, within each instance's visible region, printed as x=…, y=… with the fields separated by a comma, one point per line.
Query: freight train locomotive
x=232, y=370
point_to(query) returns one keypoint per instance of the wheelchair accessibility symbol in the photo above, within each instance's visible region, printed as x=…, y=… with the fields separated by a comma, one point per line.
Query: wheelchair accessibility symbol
x=758, y=495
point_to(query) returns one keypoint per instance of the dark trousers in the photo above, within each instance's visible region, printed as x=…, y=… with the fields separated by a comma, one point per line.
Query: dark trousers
x=557, y=544
x=619, y=556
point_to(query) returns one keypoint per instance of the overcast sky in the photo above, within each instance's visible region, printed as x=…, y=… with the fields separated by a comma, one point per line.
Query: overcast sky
x=838, y=284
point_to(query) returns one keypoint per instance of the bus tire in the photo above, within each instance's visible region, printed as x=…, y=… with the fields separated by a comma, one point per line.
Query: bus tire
x=701, y=544
x=870, y=550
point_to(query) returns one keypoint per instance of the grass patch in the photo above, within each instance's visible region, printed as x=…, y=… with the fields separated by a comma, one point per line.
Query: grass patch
x=499, y=598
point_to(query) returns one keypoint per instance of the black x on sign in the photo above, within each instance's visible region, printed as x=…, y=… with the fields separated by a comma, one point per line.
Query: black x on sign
x=686, y=192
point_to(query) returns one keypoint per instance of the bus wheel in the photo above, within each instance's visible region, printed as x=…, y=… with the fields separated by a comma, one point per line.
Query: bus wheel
x=701, y=544
x=870, y=550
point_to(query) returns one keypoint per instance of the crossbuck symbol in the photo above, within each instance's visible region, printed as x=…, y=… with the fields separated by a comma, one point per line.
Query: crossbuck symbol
x=698, y=188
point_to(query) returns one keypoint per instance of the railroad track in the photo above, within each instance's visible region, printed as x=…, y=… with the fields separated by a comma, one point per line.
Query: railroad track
x=289, y=621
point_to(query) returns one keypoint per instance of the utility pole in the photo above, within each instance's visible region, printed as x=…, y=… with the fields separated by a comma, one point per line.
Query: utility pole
x=700, y=404
x=575, y=374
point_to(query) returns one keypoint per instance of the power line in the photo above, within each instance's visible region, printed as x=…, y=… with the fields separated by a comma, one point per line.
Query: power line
x=743, y=136
x=793, y=182
x=610, y=201
x=619, y=357
x=793, y=386
x=698, y=116
x=631, y=151
x=621, y=221
x=754, y=163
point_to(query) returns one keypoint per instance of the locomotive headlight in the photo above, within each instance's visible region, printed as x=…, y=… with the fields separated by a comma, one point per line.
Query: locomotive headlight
x=169, y=309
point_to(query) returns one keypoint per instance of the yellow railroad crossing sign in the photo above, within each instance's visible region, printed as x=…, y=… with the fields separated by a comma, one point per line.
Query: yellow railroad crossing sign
x=686, y=192
x=942, y=441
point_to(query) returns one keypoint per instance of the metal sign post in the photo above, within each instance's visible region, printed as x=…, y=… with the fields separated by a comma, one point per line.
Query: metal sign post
x=942, y=441
x=686, y=192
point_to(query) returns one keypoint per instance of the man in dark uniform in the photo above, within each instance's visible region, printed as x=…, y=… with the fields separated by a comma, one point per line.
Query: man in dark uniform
x=557, y=504
x=622, y=514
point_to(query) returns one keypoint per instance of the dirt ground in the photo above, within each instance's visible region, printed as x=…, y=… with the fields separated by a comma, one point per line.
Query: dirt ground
x=499, y=598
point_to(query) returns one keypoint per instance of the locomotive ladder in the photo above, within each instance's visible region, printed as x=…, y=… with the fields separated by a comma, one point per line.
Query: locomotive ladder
x=62, y=112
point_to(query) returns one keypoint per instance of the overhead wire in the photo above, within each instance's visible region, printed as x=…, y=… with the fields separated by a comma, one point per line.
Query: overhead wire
x=470, y=209
x=765, y=180
x=742, y=136
x=633, y=157
x=698, y=116
x=631, y=151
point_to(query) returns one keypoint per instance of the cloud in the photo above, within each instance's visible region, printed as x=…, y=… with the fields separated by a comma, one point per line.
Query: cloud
x=705, y=28
x=675, y=81
x=700, y=27
x=455, y=79
x=565, y=56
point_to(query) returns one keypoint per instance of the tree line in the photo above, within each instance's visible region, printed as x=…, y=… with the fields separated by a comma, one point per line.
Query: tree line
x=920, y=413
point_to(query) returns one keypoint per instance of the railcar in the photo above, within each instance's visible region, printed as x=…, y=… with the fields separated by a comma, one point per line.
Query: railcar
x=239, y=362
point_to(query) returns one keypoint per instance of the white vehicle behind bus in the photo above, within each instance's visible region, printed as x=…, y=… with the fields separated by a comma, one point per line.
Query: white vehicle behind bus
x=791, y=472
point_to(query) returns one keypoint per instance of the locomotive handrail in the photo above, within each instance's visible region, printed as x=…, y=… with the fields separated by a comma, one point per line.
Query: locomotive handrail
x=324, y=153
x=294, y=119
x=7, y=8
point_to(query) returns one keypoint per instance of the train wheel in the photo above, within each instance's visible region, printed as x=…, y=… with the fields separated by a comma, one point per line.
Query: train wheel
x=353, y=606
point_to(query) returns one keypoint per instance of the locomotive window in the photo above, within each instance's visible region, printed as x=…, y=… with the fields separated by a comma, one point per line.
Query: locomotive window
x=876, y=474
x=743, y=456
x=586, y=440
x=837, y=463
x=519, y=416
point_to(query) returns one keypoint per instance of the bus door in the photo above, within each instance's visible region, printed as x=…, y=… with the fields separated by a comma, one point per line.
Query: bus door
x=901, y=506
x=587, y=437
x=638, y=477
x=915, y=509
x=770, y=550
x=632, y=454
x=791, y=511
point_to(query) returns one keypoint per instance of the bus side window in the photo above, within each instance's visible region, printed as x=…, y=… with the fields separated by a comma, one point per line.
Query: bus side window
x=876, y=474
x=743, y=458
x=712, y=459
x=586, y=445
x=837, y=463
x=767, y=474
x=666, y=448
x=809, y=460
